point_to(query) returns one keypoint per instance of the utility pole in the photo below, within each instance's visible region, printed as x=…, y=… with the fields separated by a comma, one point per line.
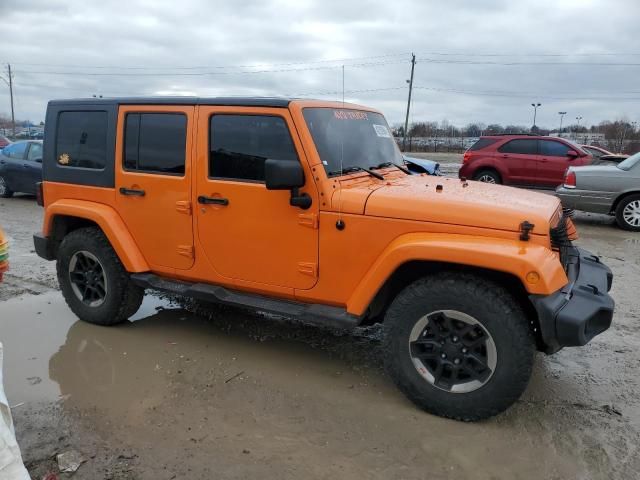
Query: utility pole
x=406, y=118
x=13, y=118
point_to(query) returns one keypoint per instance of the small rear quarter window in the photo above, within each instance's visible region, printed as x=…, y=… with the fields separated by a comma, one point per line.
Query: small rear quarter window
x=482, y=143
x=81, y=139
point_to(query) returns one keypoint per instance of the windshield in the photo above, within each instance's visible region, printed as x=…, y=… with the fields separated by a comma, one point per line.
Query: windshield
x=628, y=163
x=358, y=138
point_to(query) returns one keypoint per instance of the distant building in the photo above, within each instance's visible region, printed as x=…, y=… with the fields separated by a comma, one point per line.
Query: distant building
x=586, y=138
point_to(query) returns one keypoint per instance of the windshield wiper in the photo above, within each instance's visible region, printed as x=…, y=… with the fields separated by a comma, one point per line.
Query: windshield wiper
x=357, y=168
x=390, y=164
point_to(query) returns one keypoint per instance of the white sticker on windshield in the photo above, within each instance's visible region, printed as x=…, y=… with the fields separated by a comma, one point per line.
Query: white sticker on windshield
x=381, y=130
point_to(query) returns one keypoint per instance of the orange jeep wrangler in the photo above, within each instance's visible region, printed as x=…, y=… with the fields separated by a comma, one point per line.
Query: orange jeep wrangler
x=305, y=209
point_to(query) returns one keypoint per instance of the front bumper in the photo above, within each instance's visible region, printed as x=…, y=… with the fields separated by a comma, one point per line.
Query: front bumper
x=580, y=310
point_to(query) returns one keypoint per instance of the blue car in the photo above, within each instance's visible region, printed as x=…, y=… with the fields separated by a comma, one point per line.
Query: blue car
x=422, y=165
x=20, y=167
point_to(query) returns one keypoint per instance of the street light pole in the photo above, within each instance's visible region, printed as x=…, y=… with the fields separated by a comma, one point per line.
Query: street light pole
x=535, y=111
x=578, y=118
x=562, y=114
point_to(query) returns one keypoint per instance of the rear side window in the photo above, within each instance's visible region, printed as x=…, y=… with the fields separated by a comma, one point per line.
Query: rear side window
x=240, y=144
x=520, y=146
x=553, y=149
x=155, y=142
x=482, y=143
x=81, y=139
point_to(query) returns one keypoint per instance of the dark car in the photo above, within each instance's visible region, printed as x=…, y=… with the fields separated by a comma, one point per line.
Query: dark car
x=20, y=167
x=529, y=160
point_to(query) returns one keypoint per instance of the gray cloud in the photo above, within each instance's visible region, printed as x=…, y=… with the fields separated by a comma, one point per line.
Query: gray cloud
x=44, y=39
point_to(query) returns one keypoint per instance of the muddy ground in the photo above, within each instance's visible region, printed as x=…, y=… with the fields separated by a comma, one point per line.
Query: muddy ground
x=228, y=394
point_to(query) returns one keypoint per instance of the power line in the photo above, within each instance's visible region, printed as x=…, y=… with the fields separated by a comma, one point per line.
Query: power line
x=489, y=62
x=215, y=67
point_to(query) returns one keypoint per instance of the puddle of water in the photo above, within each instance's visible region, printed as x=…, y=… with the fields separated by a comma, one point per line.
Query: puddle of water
x=179, y=379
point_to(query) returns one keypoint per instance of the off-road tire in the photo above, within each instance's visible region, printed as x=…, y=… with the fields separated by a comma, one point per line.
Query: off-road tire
x=622, y=223
x=488, y=173
x=123, y=298
x=495, y=309
x=5, y=192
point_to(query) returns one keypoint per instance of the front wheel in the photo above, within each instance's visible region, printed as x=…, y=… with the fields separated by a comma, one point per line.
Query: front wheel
x=458, y=346
x=5, y=191
x=93, y=281
x=628, y=213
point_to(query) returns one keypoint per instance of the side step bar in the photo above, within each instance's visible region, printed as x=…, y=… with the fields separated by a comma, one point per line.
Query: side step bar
x=316, y=314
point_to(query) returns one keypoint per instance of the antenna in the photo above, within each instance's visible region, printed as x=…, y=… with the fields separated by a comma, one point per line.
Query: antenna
x=340, y=222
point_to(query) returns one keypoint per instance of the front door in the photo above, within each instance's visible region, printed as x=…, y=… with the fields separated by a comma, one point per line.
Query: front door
x=250, y=234
x=518, y=157
x=552, y=162
x=153, y=182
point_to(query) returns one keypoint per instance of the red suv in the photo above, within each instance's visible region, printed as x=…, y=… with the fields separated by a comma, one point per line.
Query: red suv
x=522, y=160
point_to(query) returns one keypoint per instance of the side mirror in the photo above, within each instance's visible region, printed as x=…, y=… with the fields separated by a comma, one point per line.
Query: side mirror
x=572, y=154
x=287, y=175
x=38, y=160
x=283, y=174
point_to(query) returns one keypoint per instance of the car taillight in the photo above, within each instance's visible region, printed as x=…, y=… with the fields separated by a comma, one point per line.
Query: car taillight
x=570, y=179
x=39, y=194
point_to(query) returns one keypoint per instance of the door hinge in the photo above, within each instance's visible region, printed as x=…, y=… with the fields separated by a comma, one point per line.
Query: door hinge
x=308, y=268
x=184, y=206
x=308, y=220
x=185, y=250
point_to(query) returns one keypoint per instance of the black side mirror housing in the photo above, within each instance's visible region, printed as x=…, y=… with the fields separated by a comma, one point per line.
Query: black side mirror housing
x=287, y=175
x=283, y=174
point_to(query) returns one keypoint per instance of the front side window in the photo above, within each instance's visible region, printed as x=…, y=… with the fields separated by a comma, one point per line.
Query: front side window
x=81, y=139
x=155, y=142
x=553, y=149
x=16, y=150
x=520, y=146
x=240, y=144
x=351, y=138
x=35, y=152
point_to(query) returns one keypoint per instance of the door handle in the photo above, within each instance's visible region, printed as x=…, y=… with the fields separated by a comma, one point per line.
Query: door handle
x=24, y=165
x=213, y=200
x=132, y=192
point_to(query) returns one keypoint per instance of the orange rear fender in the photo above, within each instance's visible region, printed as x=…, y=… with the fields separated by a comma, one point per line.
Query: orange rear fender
x=110, y=223
x=537, y=267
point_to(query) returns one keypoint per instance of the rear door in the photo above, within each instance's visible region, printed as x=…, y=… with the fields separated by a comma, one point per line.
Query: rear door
x=153, y=182
x=552, y=162
x=518, y=157
x=250, y=234
x=11, y=164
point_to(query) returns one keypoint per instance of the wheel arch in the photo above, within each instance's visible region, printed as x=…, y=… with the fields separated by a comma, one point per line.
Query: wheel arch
x=502, y=261
x=65, y=216
x=621, y=197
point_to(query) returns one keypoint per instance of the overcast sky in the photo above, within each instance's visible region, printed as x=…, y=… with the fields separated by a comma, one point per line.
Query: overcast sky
x=474, y=57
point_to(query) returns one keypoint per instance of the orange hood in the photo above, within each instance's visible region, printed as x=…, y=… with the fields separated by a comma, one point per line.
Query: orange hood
x=476, y=204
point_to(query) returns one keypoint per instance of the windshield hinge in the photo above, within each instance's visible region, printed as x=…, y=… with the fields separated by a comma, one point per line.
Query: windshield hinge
x=525, y=228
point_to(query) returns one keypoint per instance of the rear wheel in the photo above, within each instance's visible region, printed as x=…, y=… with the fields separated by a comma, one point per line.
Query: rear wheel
x=628, y=213
x=5, y=191
x=488, y=176
x=458, y=346
x=93, y=281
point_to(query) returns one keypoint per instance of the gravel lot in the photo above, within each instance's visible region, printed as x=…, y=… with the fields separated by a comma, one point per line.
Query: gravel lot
x=226, y=394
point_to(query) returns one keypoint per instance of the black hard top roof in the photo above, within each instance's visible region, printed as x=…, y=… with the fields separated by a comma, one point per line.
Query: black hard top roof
x=222, y=101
